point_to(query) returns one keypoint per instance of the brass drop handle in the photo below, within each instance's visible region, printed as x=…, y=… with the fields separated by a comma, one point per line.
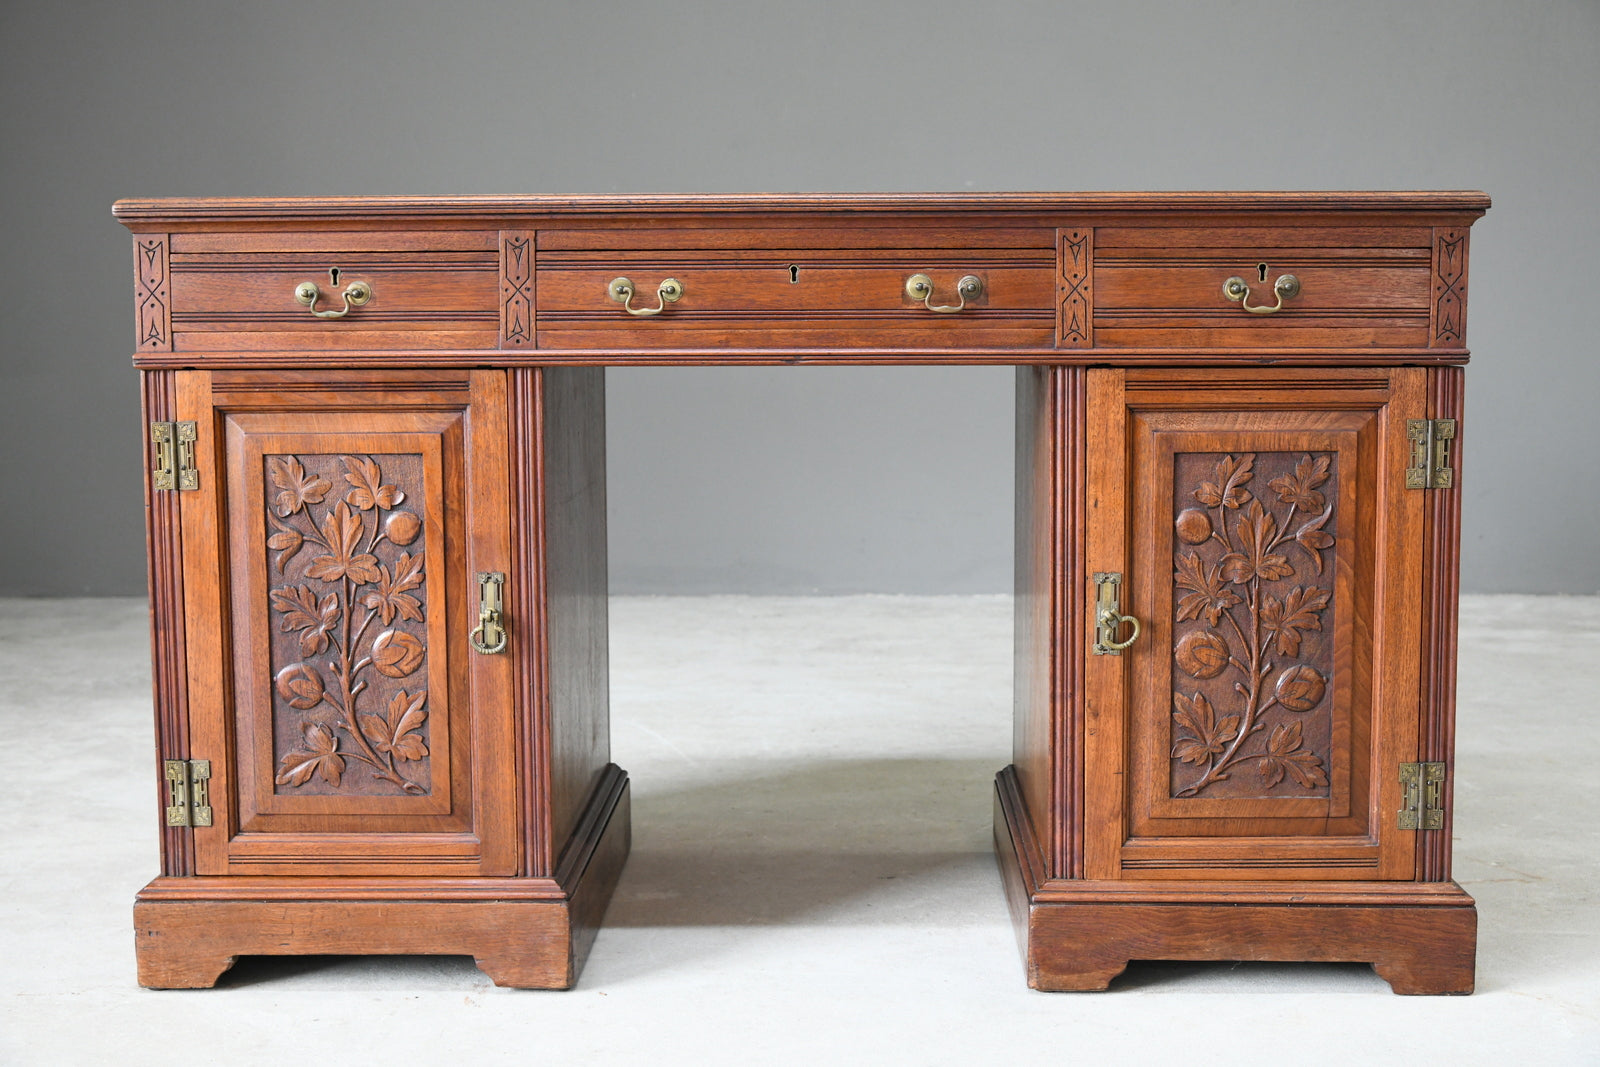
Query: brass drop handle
x=1108, y=616
x=1237, y=289
x=489, y=636
x=920, y=287
x=670, y=291
x=355, y=294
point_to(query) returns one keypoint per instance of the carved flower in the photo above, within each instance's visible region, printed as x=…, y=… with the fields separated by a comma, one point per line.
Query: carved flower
x=1256, y=531
x=297, y=767
x=1298, y=612
x=394, y=732
x=1284, y=756
x=302, y=611
x=1300, y=688
x=286, y=542
x=396, y=653
x=402, y=527
x=391, y=597
x=342, y=531
x=297, y=489
x=1194, y=526
x=1313, y=538
x=368, y=491
x=1203, y=653
x=1228, y=490
x=1210, y=736
x=1300, y=488
x=1208, y=594
x=300, y=685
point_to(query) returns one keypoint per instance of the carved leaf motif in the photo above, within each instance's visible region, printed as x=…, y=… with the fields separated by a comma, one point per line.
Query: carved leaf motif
x=1256, y=531
x=1228, y=490
x=302, y=611
x=298, y=766
x=297, y=488
x=1313, y=538
x=300, y=685
x=1284, y=756
x=286, y=541
x=1297, y=612
x=342, y=530
x=394, y=733
x=391, y=597
x=1300, y=488
x=396, y=653
x=1207, y=592
x=1210, y=736
x=369, y=490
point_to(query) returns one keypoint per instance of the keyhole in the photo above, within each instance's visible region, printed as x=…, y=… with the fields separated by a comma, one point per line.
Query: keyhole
x=1261, y=272
x=794, y=273
x=333, y=277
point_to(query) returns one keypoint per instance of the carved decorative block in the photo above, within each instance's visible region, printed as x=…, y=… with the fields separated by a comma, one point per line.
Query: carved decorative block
x=151, y=296
x=1075, y=293
x=1449, y=288
x=516, y=288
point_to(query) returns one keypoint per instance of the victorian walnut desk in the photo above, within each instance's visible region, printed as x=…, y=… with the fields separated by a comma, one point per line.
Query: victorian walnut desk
x=377, y=553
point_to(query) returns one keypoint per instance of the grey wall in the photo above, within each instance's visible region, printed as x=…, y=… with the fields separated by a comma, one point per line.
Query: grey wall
x=785, y=479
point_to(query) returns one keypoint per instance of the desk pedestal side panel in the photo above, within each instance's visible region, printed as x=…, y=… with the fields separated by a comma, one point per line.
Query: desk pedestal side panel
x=377, y=554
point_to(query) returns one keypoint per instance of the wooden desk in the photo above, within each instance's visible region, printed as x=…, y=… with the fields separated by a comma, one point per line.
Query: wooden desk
x=378, y=568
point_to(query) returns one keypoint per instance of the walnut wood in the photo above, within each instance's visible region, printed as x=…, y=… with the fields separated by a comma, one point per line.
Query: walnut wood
x=473, y=383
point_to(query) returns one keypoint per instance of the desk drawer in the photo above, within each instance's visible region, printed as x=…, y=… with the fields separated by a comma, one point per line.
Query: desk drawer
x=426, y=290
x=1358, y=287
x=771, y=288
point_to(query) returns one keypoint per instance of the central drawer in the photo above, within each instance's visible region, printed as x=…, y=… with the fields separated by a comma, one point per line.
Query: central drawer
x=821, y=288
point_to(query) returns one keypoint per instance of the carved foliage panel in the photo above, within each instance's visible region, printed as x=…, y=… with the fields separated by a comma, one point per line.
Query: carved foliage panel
x=347, y=587
x=1252, y=663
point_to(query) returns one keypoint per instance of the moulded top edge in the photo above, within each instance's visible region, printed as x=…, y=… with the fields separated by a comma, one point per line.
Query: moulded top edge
x=178, y=209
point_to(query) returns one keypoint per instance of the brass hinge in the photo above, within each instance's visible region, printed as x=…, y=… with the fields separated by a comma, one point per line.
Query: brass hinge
x=174, y=443
x=188, y=792
x=1430, y=453
x=1423, y=804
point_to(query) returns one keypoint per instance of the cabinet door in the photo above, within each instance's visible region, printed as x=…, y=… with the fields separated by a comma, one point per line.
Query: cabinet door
x=330, y=556
x=1270, y=550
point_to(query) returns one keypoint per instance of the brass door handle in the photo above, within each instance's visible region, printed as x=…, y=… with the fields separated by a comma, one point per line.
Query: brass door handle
x=1237, y=289
x=670, y=291
x=1108, y=616
x=920, y=287
x=489, y=636
x=355, y=294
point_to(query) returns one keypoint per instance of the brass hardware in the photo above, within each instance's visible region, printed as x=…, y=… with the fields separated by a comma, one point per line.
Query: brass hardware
x=355, y=294
x=489, y=636
x=1423, y=804
x=1430, y=453
x=920, y=287
x=1108, y=616
x=670, y=291
x=175, y=468
x=1237, y=289
x=188, y=792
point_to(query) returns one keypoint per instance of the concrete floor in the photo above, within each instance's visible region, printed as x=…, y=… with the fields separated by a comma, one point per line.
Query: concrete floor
x=811, y=880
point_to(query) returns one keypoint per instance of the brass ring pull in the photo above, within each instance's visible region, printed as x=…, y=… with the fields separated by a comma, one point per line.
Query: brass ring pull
x=489, y=636
x=669, y=291
x=1108, y=616
x=355, y=294
x=1286, y=287
x=1110, y=622
x=920, y=287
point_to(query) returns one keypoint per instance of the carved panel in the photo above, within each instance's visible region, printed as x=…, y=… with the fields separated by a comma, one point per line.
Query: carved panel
x=516, y=288
x=1253, y=614
x=1449, y=288
x=1075, y=292
x=347, y=592
x=151, y=297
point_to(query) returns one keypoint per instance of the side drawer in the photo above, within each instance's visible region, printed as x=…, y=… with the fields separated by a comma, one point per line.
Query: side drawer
x=1358, y=287
x=428, y=290
x=783, y=288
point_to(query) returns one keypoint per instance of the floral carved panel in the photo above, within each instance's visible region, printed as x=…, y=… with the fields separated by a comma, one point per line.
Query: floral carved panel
x=1253, y=535
x=349, y=607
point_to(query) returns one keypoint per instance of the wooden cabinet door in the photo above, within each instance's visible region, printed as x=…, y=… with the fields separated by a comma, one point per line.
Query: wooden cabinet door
x=1271, y=552
x=329, y=565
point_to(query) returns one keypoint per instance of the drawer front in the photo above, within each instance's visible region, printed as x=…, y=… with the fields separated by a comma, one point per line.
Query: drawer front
x=428, y=290
x=1358, y=287
x=789, y=288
